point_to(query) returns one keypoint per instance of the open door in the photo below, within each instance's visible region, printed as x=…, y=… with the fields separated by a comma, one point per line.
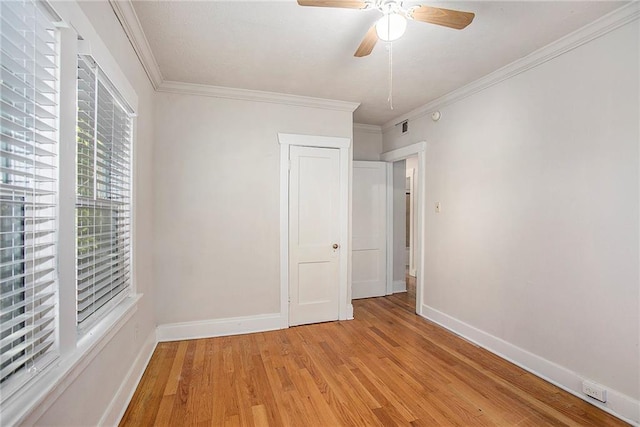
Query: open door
x=369, y=246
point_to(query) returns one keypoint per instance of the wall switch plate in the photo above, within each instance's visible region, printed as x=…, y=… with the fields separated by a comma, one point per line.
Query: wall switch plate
x=437, y=207
x=594, y=390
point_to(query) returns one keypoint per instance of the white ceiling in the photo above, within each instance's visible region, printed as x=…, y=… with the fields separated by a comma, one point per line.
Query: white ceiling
x=278, y=46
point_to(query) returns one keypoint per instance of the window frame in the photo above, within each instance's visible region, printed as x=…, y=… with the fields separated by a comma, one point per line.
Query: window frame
x=101, y=82
x=43, y=107
x=77, y=349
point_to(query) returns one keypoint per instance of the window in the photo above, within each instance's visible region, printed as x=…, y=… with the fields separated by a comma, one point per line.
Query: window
x=28, y=191
x=54, y=306
x=103, y=158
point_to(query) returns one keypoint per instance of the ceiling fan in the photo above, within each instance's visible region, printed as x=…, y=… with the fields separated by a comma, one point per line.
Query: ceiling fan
x=394, y=20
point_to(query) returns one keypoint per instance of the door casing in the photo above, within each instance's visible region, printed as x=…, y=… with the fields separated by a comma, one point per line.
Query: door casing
x=286, y=140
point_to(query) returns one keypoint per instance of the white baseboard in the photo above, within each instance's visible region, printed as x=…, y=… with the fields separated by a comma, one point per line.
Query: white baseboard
x=350, y=311
x=618, y=404
x=118, y=405
x=219, y=327
x=399, y=286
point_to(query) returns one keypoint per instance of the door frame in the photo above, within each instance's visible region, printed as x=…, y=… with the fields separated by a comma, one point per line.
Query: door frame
x=286, y=140
x=394, y=156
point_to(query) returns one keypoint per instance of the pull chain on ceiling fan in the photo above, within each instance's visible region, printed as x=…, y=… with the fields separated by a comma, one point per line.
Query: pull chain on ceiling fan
x=390, y=98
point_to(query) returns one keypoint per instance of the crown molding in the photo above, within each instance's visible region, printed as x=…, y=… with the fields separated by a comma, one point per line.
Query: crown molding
x=128, y=18
x=255, y=95
x=597, y=28
x=367, y=128
x=133, y=29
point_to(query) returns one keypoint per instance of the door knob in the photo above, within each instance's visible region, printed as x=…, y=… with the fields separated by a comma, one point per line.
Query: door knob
x=336, y=246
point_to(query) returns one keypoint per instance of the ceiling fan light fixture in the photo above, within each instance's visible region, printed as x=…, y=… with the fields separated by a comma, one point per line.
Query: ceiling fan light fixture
x=391, y=27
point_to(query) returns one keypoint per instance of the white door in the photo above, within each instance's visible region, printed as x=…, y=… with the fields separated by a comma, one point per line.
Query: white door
x=314, y=197
x=369, y=245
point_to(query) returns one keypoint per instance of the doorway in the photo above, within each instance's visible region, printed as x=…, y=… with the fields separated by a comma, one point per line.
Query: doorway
x=405, y=267
x=410, y=236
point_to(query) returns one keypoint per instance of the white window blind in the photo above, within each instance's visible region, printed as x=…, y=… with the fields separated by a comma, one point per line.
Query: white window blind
x=103, y=193
x=28, y=191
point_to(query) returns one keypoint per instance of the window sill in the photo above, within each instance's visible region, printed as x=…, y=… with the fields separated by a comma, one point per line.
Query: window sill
x=37, y=396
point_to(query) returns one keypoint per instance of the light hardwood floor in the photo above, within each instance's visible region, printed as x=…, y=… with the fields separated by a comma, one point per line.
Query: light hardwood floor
x=387, y=367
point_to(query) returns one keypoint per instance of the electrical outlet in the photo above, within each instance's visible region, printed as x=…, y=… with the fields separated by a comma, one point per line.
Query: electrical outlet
x=594, y=390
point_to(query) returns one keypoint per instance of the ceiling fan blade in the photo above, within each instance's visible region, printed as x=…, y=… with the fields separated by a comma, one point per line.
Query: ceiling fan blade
x=445, y=17
x=368, y=43
x=346, y=4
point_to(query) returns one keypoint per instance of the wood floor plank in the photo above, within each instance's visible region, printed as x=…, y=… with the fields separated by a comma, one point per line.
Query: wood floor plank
x=174, y=375
x=389, y=416
x=151, y=386
x=346, y=375
x=316, y=401
x=395, y=397
x=386, y=367
x=342, y=394
x=202, y=389
x=260, y=416
x=222, y=385
x=180, y=401
x=163, y=414
x=233, y=420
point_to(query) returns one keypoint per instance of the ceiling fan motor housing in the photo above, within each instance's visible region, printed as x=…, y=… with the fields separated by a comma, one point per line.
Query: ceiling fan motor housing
x=386, y=7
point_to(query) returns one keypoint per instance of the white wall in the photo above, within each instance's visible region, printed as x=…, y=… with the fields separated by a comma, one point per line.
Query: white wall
x=367, y=142
x=216, y=167
x=537, y=243
x=86, y=400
